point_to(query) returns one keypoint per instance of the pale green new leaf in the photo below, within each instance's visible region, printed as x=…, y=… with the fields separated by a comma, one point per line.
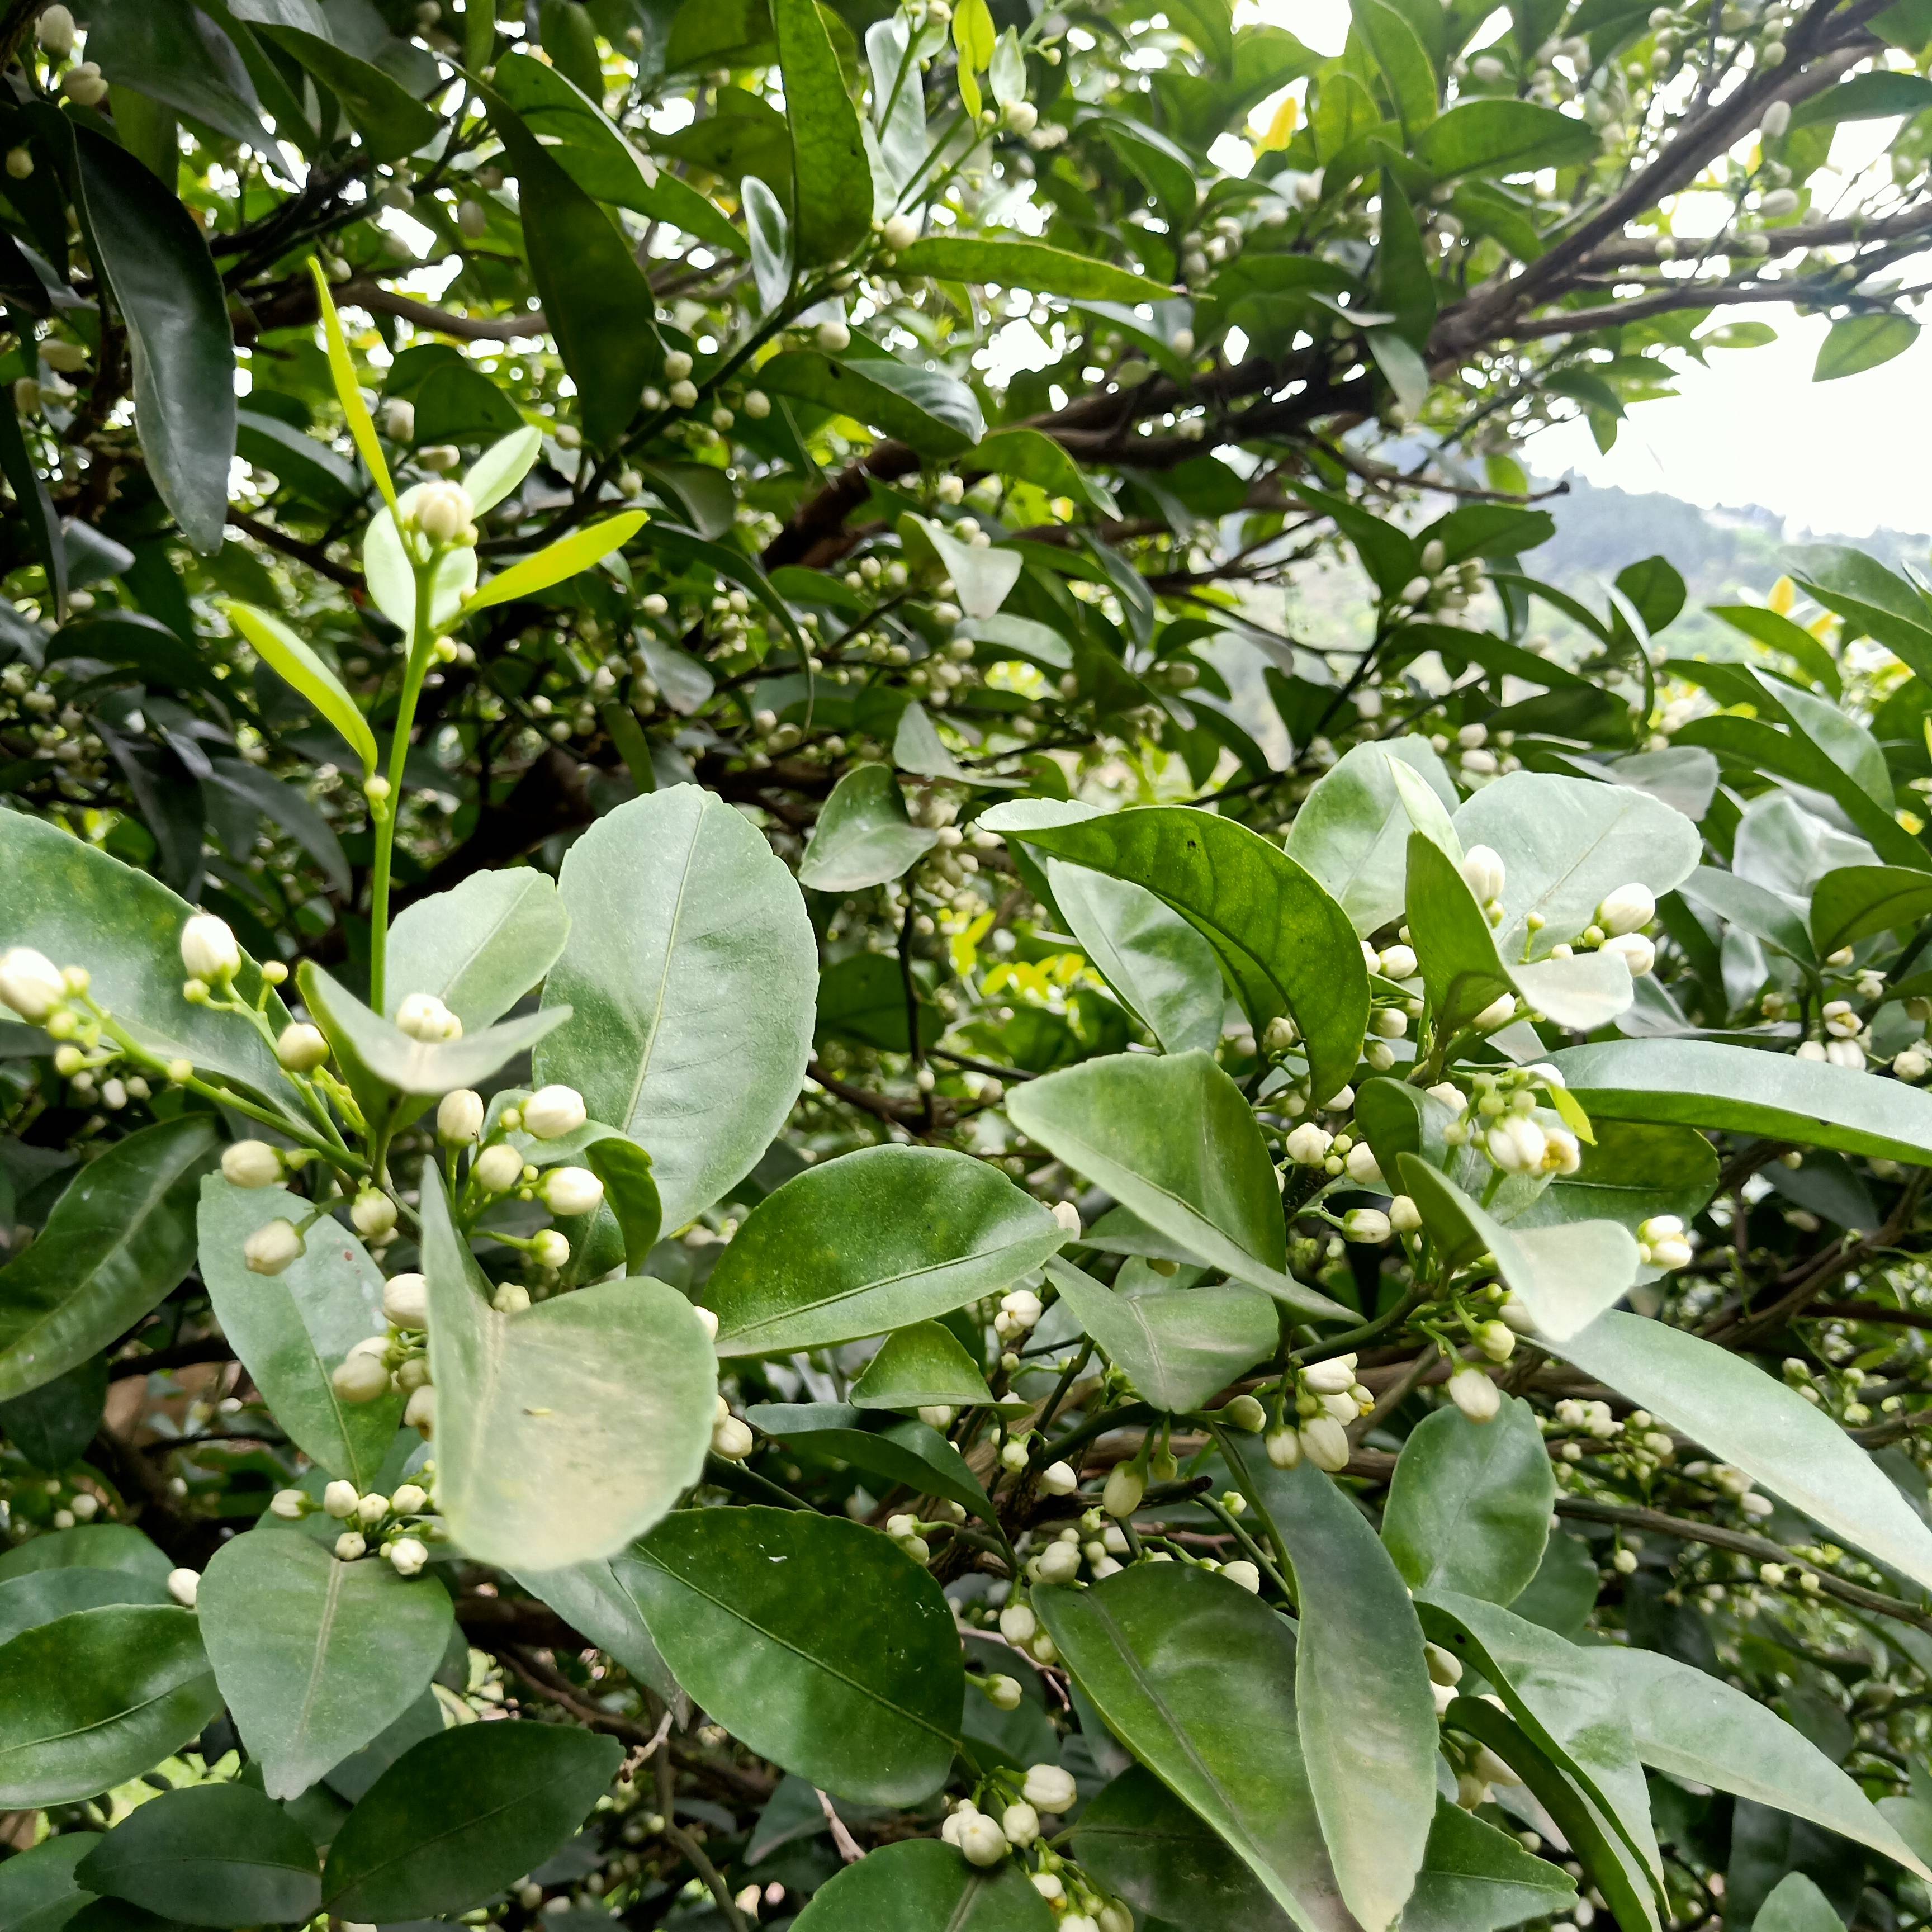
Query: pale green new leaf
x=293, y=660
x=580, y=550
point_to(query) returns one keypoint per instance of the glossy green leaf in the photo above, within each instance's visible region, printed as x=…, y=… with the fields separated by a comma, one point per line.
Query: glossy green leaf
x=315, y=1657
x=1857, y=343
x=1198, y=1679
x=1171, y=1138
x=1476, y=1879
x=120, y=1238
x=1371, y=1763
x=1568, y=1272
x=864, y=835
x=1499, y=136
x=293, y=660
x=908, y=1452
x=982, y=576
x=1855, y=901
x=1696, y=1728
x=1469, y=1509
x=630, y=1193
x=1563, y=1592
x=51, y=1425
x=1741, y=1415
x=97, y=1697
x=81, y=908
x=1165, y=972
x=1735, y=1090
x=38, y=1890
x=41, y=1596
x=832, y=179
x=1462, y=973
x=924, y=1365
x=1285, y=944
x=292, y=1330
x=1178, y=1346
x=815, y=1640
x=691, y=965
x=480, y=946
x=922, y=1886
x=591, y=1599
x=1018, y=264
x=1352, y=831
x=933, y=411
x=94, y=1546
x=1796, y=1905
x=1404, y=62
x=565, y=1430
x=209, y=1855
x=1567, y=843
x=391, y=121
x=1634, y=1171
x=582, y=549
x=460, y=1816
x=869, y=1242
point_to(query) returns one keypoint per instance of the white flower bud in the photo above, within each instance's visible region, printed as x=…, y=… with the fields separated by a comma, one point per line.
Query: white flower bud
x=1445, y=1667
x=419, y=1412
x=1013, y=1454
x=571, y=1190
x=423, y=1016
x=399, y=419
x=1361, y=1166
x=498, y=1168
x=443, y=512
x=407, y=1554
x=1004, y=1693
x=833, y=337
x=30, y=982
x=934, y=1414
x=1775, y=120
x=1638, y=952
x=459, y=1117
x=1515, y=1312
x=1245, y=1412
x=209, y=949
x=1125, y=1487
x=301, y=1047
x=373, y=1214
x=272, y=1247
x=408, y=1499
x=1021, y=1824
x=1325, y=1443
x=550, y=1248
x=731, y=1440
x=291, y=1505
x=1284, y=1448
x=1399, y=962
x=340, y=1499
x=1483, y=874
x=1498, y=1012
x=360, y=1379
x=1517, y=1145
x=1307, y=1145
x=1404, y=1217
x=1017, y=1624
x=1475, y=1394
x=1048, y=1788
x=251, y=1164
x=371, y=1508
x=1911, y=1064
x=351, y=1547
x=1022, y=1308
x=1628, y=909
x=1244, y=1573
x=54, y=30
x=1060, y=1563
x=981, y=1840
x=901, y=232
x=511, y=1298
x=1368, y=1227
x=405, y=1300
x=1334, y=1376
x=551, y=1112
x=684, y=395
x=85, y=85
x=1059, y=1479
x=185, y=1585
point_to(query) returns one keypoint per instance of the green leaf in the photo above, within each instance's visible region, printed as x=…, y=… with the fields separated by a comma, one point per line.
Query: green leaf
x=1741, y=1415
x=459, y=1817
x=1568, y=1272
x=1352, y=831
x=589, y=1597
x=869, y=1242
x=814, y=1640
x=1284, y=943
x=158, y=50
x=94, y=1699
x=1197, y=1678
x=94, y=1545
x=118, y=1239
x=631, y=1194
x=1737, y=1089
x=691, y=966
x=1855, y=901
x=1166, y=974
x=1476, y=1879
x=1469, y=1509
x=292, y=1330
x=1857, y=343
x=480, y=946
x=864, y=836
x=1171, y=1138
x=210, y=1855
x=1026, y=265
x=349, y=388
x=925, y=1365
x=503, y=465
x=154, y=259
x=982, y=576
x=582, y=549
x=1634, y=1171
x=1178, y=1346
x=832, y=178
x=1462, y=973
x=1035, y=457
x=595, y=298
x=390, y=119
x=292, y=659
x=920, y=1884
x=1697, y=1729
x=1757, y=910
x=1404, y=62
x=41, y=1596
x=1875, y=95
x=934, y=411
x=1371, y=1762
x=316, y=1656
x=1498, y=136
x=38, y=1892
x=1567, y=843
x=567, y=1429
x=907, y=1452
x=1877, y=599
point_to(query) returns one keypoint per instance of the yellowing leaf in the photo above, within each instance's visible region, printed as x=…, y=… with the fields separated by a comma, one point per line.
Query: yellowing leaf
x=348, y=390
x=294, y=661
x=1281, y=128
x=1783, y=594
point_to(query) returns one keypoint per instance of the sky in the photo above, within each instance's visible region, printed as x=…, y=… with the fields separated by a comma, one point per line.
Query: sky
x=1845, y=457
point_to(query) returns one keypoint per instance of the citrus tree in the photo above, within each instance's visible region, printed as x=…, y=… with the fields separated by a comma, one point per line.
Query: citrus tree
x=761, y=1156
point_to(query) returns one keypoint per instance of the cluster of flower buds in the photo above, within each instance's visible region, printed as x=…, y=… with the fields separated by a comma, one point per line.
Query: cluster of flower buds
x=1440, y=586
x=731, y=1439
x=1019, y=1313
x=1059, y=1561
x=1328, y=1398
x=395, y=1522
x=443, y=512
x=1662, y=1242
x=1022, y=1629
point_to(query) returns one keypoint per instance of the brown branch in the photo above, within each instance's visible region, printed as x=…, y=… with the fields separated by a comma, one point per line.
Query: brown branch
x=313, y=555
x=1869, y=1311
x=181, y=1355
x=1628, y=251
x=900, y=1113
x=362, y=292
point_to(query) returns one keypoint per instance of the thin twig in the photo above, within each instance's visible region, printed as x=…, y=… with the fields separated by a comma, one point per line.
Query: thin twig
x=850, y=1849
